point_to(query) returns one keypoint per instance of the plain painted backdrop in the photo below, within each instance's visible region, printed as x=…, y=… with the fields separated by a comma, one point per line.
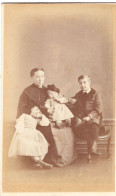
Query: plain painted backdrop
x=67, y=40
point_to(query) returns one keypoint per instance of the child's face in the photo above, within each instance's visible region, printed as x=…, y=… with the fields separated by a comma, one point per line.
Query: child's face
x=35, y=112
x=52, y=94
x=85, y=84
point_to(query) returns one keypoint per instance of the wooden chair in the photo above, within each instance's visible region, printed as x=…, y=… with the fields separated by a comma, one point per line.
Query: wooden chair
x=104, y=135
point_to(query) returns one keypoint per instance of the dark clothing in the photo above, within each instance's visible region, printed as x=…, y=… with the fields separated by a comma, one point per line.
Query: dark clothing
x=46, y=131
x=88, y=104
x=30, y=97
x=34, y=96
x=87, y=131
x=52, y=150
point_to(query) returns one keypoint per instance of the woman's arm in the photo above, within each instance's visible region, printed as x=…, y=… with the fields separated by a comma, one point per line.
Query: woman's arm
x=23, y=105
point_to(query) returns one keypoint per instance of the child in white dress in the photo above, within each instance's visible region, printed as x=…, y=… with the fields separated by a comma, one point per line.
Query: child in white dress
x=27, y=140
x=56, y=108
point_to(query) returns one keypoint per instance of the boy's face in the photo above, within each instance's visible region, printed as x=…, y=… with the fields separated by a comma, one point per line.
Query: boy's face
x=85, y=84
x=52, y=94
x=38, y=78
x=35, y=112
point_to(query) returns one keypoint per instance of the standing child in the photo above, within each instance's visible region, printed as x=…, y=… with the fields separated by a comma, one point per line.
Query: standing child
x=27, y=140
x=88, y=111
x=56, y=107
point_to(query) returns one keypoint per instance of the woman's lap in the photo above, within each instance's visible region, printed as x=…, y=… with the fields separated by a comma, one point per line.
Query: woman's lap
x=65, y=143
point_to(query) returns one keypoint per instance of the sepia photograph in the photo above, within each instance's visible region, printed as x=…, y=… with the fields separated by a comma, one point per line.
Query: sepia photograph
x=58, y=62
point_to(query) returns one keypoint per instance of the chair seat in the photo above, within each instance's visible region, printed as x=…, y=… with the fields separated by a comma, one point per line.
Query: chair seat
x=103, y=135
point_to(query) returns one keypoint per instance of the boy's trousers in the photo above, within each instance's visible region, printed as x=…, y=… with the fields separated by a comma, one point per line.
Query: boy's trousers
x=86, y=131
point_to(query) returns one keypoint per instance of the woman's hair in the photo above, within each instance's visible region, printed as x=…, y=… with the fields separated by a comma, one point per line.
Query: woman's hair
x=32, y=72
x=83, y=76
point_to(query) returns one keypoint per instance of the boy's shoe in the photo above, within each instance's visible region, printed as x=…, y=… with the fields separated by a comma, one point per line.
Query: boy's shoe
x=68, y=122
x=59, y=126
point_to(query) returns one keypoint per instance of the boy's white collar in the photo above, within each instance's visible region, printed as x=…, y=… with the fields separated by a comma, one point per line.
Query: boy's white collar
x=87, y=91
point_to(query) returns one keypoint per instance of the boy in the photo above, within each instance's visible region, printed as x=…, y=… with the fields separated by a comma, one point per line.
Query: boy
x=88, y=112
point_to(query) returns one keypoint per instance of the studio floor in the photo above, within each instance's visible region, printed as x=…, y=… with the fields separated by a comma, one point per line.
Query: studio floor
x=19, y=175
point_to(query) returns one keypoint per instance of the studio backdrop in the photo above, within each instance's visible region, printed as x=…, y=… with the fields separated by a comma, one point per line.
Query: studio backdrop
x=67, y=40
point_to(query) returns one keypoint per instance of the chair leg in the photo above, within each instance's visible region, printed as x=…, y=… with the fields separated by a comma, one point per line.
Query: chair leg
x=108, y=146
x=89, y=157
x=89, y=152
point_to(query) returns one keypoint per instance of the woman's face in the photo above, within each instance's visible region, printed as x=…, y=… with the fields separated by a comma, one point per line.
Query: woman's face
x=35, y=112
x=52, y=94
x=38, y=78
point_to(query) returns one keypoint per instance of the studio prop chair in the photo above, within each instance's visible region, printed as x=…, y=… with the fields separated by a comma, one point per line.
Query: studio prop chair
x=104, y=135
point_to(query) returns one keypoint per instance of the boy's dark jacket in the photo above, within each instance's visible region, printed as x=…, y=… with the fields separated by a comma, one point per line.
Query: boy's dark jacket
x=88, y=104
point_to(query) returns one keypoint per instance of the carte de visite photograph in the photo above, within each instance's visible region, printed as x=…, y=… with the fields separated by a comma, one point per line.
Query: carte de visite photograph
x=58, y=62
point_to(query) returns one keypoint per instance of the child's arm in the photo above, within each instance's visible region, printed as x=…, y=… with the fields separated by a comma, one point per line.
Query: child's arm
x=20, y=123
x=72, y=100
x=49, y=106
x=62, y=99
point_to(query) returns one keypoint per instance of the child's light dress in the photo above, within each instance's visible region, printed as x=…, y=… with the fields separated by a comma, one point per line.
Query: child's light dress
x=27, y=140
x=60, y=110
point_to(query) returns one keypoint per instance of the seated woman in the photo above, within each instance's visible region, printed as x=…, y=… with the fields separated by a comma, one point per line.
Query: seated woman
x=28, y=141
x=61, y=151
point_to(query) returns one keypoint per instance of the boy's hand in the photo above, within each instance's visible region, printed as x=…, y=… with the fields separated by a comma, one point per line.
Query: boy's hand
x=87, y=118
x=72, y=101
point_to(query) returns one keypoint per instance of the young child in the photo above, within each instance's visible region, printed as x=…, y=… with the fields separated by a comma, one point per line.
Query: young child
x=27, y=140
x=56, y=107
x=88, y=111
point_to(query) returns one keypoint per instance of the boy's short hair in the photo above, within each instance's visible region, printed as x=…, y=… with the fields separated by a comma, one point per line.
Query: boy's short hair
x=32, y=72
x=83, y=76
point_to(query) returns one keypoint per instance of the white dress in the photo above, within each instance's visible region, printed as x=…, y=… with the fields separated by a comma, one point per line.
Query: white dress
x=60, y=110
x=27, y=140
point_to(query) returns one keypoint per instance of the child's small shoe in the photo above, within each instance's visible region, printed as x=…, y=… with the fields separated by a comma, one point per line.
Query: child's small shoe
x=68, y=122
x=59, y=125
x=37, y=166
x=45, y=165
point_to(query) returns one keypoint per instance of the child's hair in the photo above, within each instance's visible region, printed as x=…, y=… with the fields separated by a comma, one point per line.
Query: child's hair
x=52, y=87
x=83, y=76
x=32, y=72
x=32, y=108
